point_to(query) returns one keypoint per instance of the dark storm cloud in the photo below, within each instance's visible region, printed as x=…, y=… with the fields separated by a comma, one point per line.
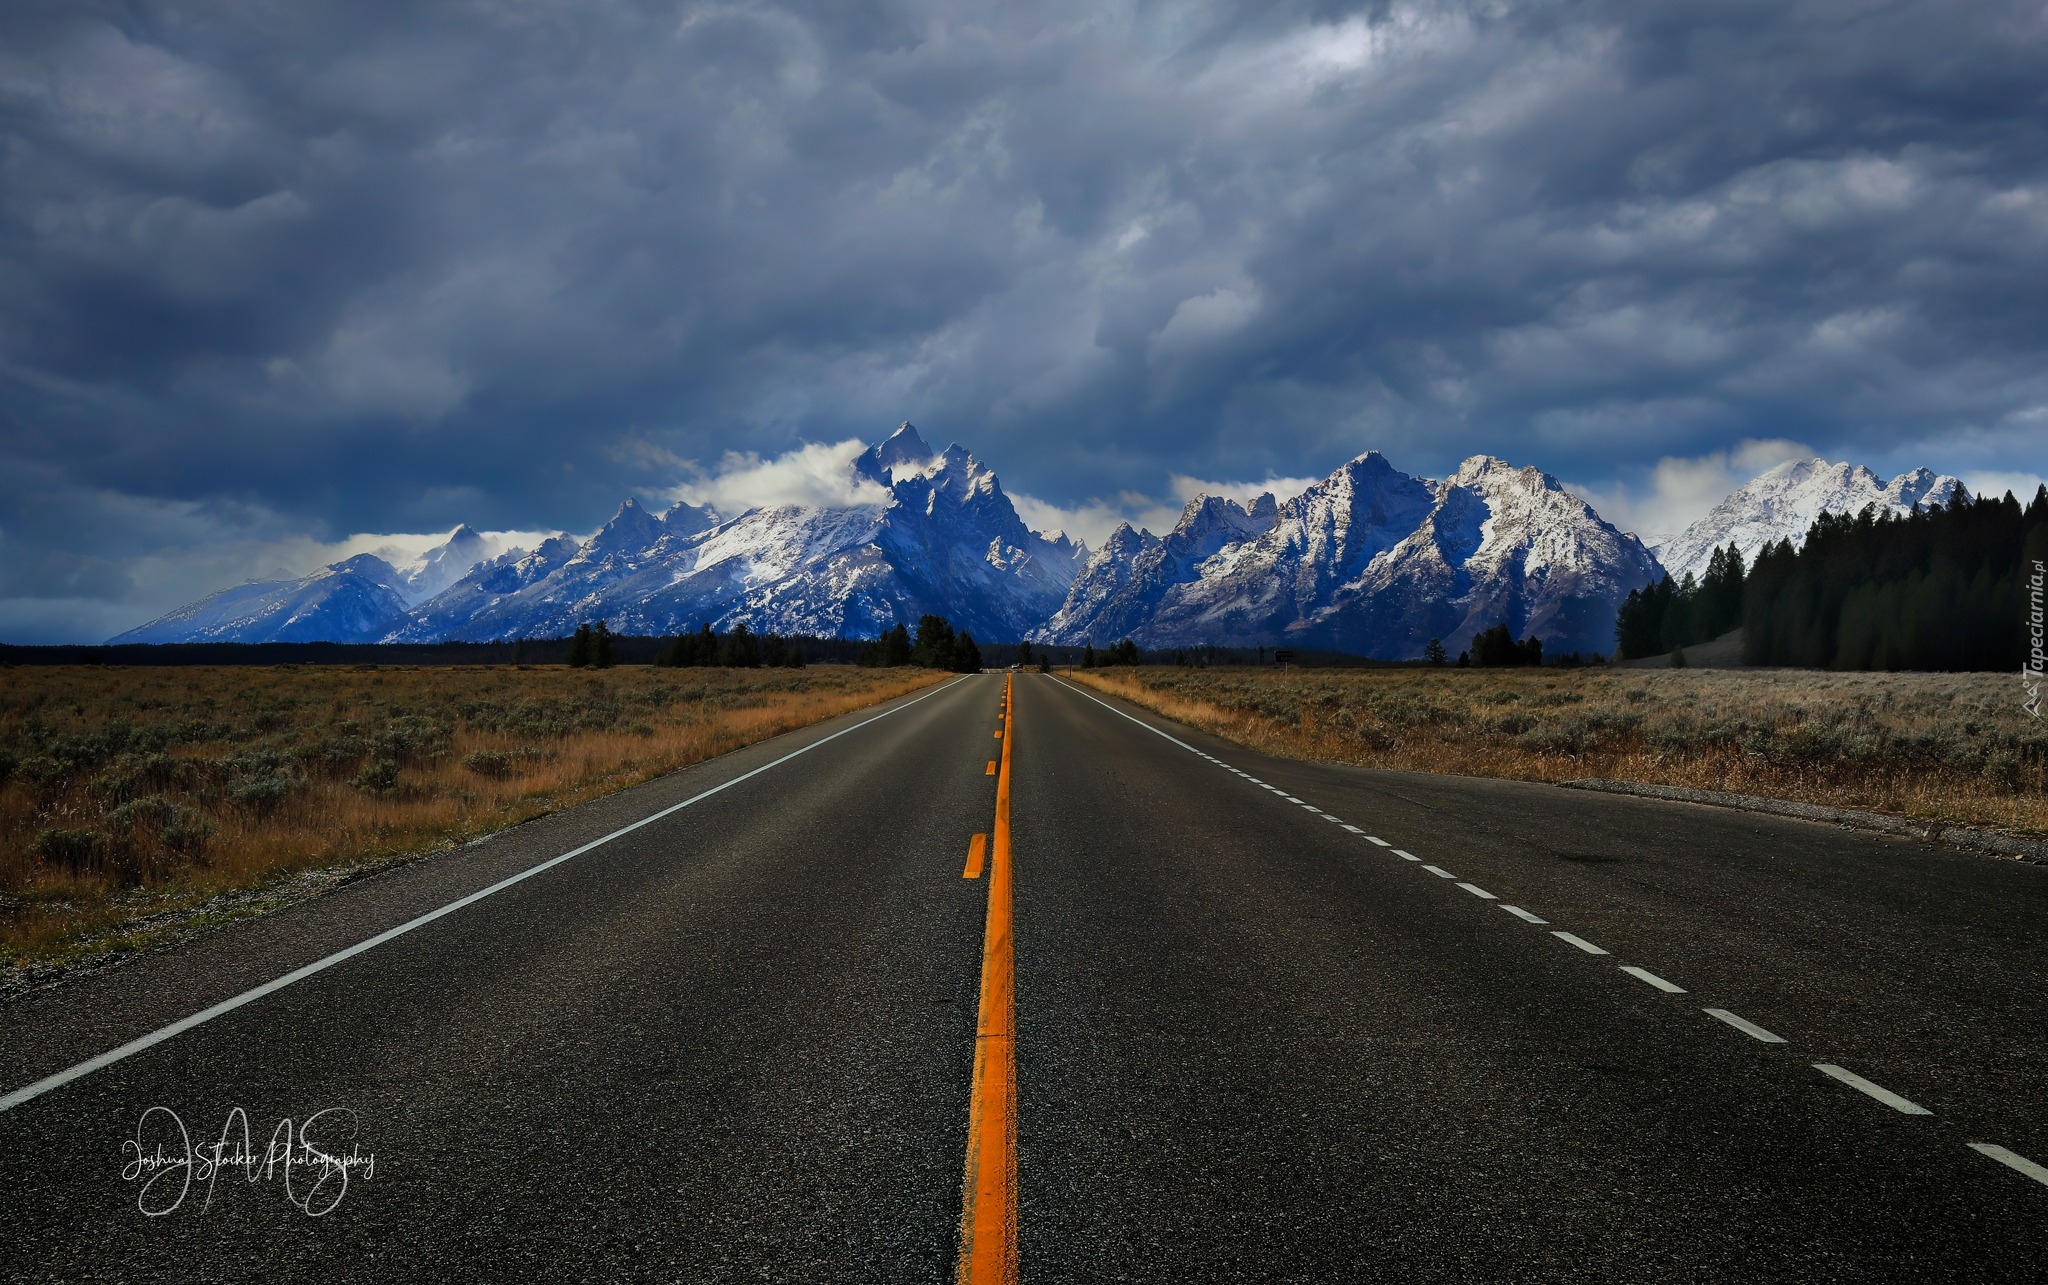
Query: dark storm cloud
x=313, y=269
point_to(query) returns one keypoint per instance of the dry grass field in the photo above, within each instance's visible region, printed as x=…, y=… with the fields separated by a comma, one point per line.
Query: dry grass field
x=1950, y=747
x=129, y=794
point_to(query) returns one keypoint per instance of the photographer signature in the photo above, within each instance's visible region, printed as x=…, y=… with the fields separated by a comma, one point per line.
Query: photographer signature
x=315, y=1174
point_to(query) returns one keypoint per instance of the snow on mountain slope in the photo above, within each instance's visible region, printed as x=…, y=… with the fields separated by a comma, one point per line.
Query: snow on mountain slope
x=1499, y=545
x=1136, y=573
x=1783, y=503
x=1322, y=538
x=1374, y=561
x=1099, y=584
x=442, y=565
x=354, y=600
x=945, y=540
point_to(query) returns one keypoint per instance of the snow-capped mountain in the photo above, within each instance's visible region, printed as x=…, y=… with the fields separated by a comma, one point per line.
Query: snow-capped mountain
x=355, y=600
x=1369, y=560
x=941, y=537
x=1783, y=503
x=442, y=565
x=358, y=599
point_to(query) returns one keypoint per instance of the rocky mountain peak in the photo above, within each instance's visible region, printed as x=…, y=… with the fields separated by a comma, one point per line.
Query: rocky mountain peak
x=903, y=448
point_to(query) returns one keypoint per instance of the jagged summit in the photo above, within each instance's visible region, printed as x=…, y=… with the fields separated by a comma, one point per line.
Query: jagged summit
x=902, y=448
x=1782, y=503
x=1367, y=560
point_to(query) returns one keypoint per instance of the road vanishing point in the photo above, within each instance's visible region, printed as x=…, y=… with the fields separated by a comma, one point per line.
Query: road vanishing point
x=1009, y=980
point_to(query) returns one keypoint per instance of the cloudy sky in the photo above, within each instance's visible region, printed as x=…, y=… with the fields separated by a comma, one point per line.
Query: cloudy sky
x=283, y=279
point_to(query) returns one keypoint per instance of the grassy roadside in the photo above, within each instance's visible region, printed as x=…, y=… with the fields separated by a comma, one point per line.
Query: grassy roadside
x=139, y=804
x=1938, y=747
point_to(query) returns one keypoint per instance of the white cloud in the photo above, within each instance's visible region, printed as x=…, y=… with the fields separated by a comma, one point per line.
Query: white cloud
x=1094, y=519
x=1681, y=489
x=815, y=473
x=1186, y=488
x=1995, y=483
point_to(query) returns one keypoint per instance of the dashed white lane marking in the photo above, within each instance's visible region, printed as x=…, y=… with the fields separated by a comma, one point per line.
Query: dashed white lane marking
x=1645, y=975
x=1744, y=1025
x=2012, y=1160
x=1882, y=1094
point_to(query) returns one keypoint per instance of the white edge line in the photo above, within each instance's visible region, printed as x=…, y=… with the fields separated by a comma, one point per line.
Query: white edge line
x=1645, y=975
x=2012, y=1160
x=1744, y=1025
x=1902, y=1105
x=1578, y=941
x=134, y=1046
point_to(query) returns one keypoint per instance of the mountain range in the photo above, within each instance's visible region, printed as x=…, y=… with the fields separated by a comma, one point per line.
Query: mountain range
x=1368, y=560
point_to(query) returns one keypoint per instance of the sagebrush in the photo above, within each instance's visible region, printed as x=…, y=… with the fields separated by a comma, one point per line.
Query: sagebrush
x=127, y=788
x=1950, y=747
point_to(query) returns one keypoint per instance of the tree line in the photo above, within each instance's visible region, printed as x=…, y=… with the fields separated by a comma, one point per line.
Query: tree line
x=935, y=646
x=1941, y=588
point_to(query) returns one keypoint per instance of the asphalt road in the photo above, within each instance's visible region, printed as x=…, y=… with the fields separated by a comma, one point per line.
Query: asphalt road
x=1252, y=1043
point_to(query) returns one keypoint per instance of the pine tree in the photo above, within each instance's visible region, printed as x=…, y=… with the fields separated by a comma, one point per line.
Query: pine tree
x=582, y=648
x=604, y=648
x=934, y=646
x=1434, y=653
x=896, y=647
x=966, y=655
x=740, y=650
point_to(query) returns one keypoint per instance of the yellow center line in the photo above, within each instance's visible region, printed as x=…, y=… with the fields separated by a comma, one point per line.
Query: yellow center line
x=991, y=768
x=977, y=848
x=988, y=1202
